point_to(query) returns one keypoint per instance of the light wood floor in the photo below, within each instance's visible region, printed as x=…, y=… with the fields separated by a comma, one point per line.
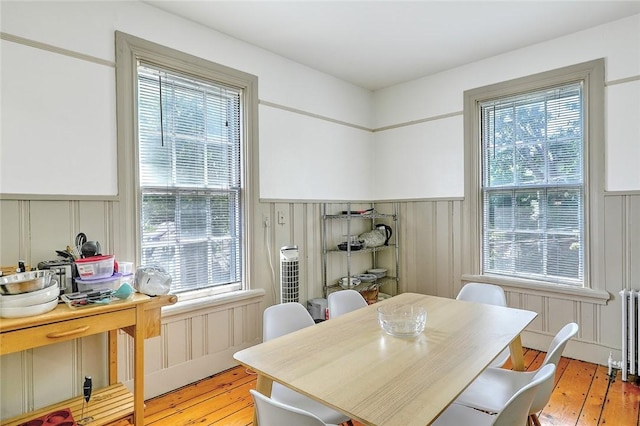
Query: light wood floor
x=584, y=395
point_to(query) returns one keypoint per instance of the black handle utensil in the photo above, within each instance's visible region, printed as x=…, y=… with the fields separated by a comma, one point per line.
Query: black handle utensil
x=87, y=387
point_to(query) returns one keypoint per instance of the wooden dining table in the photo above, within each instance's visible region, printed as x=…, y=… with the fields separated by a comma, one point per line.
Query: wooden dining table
x=350, y=364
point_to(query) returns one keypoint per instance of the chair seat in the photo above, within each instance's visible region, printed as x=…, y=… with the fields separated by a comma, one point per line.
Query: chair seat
x=491, y=390
x=459, y=415
x=288, y=396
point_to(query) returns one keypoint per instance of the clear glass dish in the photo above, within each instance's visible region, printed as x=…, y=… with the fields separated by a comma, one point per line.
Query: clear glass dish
x=402, y=320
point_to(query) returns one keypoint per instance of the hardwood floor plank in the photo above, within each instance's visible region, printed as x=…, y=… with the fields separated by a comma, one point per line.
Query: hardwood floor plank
x=243, y=417
x=199, y=408
x=594, y=402
x=622, y=404
x=207, y=387
x=227, y=415
x=568, y=397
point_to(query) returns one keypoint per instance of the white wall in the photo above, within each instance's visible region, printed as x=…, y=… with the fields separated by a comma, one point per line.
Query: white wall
x=58, y=107
x=439, y=97
x=303, y=158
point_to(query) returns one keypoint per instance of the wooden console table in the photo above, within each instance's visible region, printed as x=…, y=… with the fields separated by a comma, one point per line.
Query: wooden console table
x=139, y=317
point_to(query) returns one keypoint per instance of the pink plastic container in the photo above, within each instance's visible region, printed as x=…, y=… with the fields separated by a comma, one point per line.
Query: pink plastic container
x=96, y=267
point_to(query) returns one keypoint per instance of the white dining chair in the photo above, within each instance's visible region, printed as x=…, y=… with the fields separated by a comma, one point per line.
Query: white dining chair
x=344, y=301
x=491, y=295
x=494, y=386
x=483, y=293
x=514, y=412
x=274, y=413
x=286, y=318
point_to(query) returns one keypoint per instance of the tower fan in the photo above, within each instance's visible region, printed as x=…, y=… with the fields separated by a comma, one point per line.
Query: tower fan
x=289, y=277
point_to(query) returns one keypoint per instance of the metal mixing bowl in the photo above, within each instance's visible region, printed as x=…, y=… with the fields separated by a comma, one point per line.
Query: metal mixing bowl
x=25, y=282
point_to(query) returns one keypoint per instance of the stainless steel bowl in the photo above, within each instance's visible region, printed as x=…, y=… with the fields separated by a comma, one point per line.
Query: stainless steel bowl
x=25, y=282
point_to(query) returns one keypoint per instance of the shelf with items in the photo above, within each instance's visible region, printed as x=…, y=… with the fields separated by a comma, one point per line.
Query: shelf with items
x=138, y=316
x=106, y=406
x=351, y=260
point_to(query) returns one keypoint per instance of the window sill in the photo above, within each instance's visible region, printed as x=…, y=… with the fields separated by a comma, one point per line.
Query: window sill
x=579, y=294
x=211, y=301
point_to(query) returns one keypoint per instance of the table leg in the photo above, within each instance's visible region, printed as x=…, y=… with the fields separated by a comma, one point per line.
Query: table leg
x=517, y=358
x=263, y=385
x=113, y=357
x=138, y=368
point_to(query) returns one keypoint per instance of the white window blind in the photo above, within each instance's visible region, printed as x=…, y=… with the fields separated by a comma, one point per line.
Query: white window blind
x=533, y=185
x=190, y=178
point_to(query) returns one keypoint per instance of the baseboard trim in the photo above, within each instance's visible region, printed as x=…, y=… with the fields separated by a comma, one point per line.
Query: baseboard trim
x=172, y=378
x=576, y=349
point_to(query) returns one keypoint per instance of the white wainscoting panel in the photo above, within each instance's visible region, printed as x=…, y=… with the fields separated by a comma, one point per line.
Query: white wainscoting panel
x=194, y=344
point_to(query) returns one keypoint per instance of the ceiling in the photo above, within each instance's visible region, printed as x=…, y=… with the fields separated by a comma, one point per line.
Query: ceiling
x=376, y=44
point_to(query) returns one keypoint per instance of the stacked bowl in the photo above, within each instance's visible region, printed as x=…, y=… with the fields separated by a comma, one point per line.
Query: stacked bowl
x=27, y=294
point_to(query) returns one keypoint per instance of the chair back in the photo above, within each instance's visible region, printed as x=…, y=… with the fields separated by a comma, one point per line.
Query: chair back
x=553, y=356
x=559, y=342
x=284, y=318
x=344, y=301
x=483, y=293
x=274, y=413
x=488, y=294
x=516, y=411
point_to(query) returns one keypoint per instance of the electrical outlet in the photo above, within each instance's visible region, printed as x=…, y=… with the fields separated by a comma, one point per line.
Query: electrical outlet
x=266, y=221
x=281, y=218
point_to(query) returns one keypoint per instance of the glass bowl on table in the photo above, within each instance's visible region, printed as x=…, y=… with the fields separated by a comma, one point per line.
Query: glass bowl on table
x=402, y=320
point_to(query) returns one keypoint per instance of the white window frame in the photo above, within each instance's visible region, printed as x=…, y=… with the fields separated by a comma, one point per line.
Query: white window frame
x=130, y=50
x=592, y=75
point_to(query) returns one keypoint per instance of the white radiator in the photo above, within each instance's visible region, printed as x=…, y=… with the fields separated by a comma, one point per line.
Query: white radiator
x=630, y=329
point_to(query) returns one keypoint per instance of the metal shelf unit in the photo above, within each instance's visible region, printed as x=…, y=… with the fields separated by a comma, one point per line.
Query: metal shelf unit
x=330, y=250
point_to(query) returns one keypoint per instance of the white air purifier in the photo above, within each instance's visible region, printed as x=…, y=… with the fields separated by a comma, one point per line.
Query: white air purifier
x=289, y=274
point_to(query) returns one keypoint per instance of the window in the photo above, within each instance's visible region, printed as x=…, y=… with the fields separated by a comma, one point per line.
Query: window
x=533, y=188
x=532, y=185
x=189, y=133
x=190, y=182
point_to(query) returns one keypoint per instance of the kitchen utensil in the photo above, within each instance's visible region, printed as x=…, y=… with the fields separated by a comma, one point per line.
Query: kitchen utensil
x=90, y=249
x=379, y=236
x=125, y=268
x=65, y=254
x=354, y=246
x=370, y=294
x=81, y=238
x=111, y=282
x=402, y=320
x=22, y=300
x=25, y=282
x=87, y=388
x=125, y=291
x=63, y=270
x=95, y=267
x=29, y=311
x=358, y=212
x=378, y=272
x=367, y=278
x=346, y=282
